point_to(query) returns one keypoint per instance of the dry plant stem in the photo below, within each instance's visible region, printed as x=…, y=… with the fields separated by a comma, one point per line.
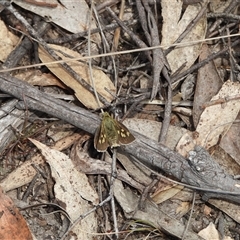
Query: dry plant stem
x=190, y=216
x=231, y=58
x=223, y=15
x=142, y=19
x=146, y=192
x=204, y=62
x=30, y=187
x=90, y=59
x=109, y=198
x=86, y=214
x=75, y=36
x=158, y=59
x=221, y=30
x=118, y=30
x=167, y=111
x=113, y=53
x=26, y=45
x=106, y=3
x=138, y=41
x=111, y=192
x=147, y=151
x=106, y=47
x=47, y=204
x=189, y=27
x=42, y=4
x=52, y=53
x=233, y=4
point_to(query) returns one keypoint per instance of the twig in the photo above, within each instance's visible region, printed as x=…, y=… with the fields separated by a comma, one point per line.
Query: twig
x=111, y=192
x=188, y=29
x=167, y=111
x=136, y=39
x=52, y=53
x=202, y=63
x=190, y=216
x=161, y=157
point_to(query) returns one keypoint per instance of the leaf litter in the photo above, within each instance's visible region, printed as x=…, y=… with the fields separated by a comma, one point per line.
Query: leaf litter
x=212, y=122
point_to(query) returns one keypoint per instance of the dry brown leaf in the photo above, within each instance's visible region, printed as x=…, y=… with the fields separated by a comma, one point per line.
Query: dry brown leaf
x=161, y=196
x=36, y=77
x=102, y=81
x=183, y=208
x=12, y=223
x=207, y=85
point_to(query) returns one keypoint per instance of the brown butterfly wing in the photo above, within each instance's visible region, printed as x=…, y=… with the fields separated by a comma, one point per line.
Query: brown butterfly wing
x=100, y=141
x=124, y=135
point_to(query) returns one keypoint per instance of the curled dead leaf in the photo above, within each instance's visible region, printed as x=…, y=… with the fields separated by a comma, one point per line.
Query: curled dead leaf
x=12, y=223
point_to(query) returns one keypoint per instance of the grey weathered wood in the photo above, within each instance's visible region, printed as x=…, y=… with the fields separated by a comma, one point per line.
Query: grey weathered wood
x=146, y=150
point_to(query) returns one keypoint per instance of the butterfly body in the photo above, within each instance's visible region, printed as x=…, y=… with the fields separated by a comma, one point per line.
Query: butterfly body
x=111, y=133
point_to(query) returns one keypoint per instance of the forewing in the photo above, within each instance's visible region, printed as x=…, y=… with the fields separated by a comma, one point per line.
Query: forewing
x=100, y=140
x=124, y=135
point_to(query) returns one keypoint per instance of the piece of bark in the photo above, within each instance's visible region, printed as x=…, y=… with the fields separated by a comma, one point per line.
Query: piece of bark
x=144, y=149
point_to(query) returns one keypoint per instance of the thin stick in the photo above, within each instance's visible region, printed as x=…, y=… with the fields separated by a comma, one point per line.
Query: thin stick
x=193, y=203
x=89, y=54
x=184, y=44
x=113, y=175
x=111, y=192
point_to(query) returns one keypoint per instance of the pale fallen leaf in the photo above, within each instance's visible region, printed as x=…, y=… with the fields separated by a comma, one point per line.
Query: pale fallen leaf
x=186, y=144
x=24, y=174
x=219, y=6
x=209, y=233
x=70, y=15
x=72, y=189
x=174, y=24
x=125, y=197
x=215, y=120
x=8, y=41
x=152, y=129
x=102, y=81
x=73, y=182
x=138, y=173
x=60, y=131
